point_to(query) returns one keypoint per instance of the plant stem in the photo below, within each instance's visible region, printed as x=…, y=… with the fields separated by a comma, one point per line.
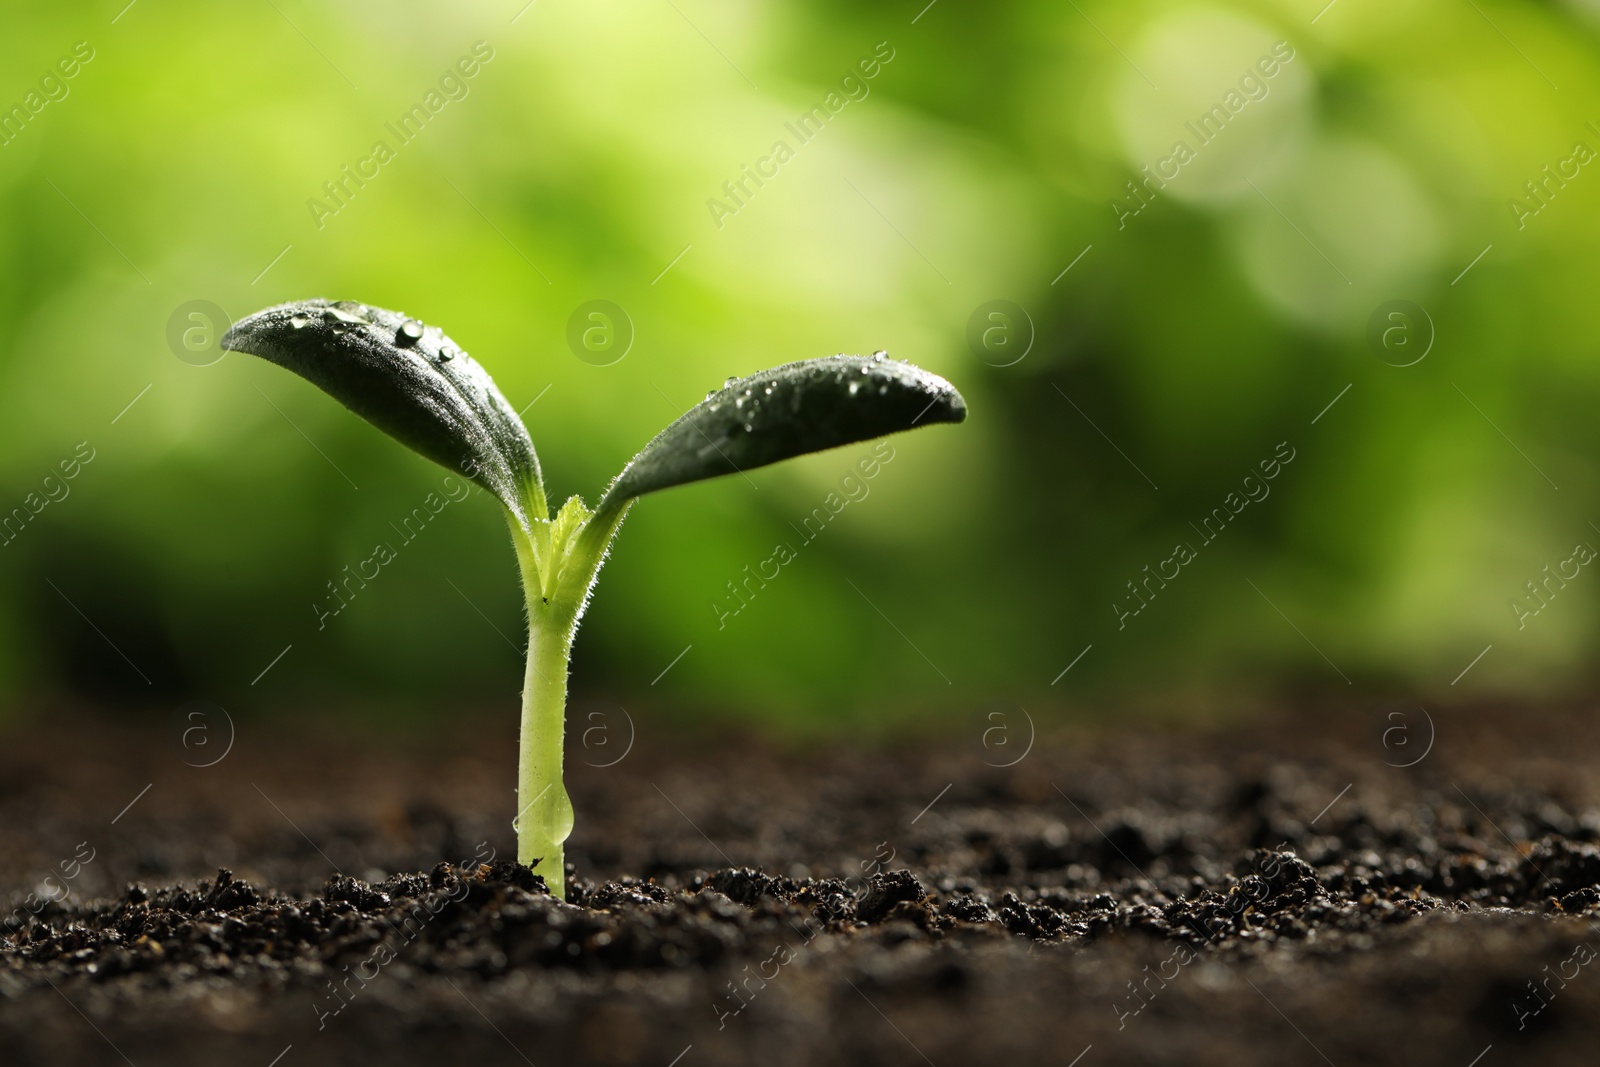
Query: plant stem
x=559, y=563
x=544, y=812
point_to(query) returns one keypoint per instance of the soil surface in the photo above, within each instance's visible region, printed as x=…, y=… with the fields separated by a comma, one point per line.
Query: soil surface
x=1282, y=893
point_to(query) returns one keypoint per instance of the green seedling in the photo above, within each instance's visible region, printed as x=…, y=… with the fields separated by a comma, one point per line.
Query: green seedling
x=415, y=384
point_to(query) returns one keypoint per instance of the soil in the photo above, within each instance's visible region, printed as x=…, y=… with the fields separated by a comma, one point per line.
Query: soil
x=1276, y=893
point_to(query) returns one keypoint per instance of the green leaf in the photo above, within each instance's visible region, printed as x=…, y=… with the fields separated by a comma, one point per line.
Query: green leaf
x=410, y=381
x=788, y=411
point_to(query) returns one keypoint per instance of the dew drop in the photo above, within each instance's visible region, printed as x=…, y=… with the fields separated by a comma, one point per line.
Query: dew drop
x=883, y=390
x=866, y=370
x=711, y=393
x=728, y=382
x=338, y=313
x=879, y=356
x=853, y=387
x=749, y=428
x=767, y=390
x=299, y=320
x=410, y=333
x=446, y=354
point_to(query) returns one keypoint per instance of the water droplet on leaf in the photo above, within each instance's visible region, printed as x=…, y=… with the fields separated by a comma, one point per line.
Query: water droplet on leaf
x=339, y=313
x=410, y=333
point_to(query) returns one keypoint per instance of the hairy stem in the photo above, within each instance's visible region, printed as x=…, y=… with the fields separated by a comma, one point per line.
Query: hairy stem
x=544, y=812
x=559, y=563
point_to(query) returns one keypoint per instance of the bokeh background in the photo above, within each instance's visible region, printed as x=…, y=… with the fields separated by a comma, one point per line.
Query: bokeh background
x=1165, y=352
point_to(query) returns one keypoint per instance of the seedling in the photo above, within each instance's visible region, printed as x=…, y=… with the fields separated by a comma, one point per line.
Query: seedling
x=415, y=384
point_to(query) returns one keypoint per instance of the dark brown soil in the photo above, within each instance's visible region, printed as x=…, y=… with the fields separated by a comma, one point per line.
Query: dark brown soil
x=1279, y=894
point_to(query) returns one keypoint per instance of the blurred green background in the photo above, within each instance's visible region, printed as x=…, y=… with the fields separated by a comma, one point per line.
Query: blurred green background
x=988, y=153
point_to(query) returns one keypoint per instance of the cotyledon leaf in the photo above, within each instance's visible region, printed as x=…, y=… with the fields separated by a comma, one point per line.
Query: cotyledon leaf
x=410, y=381
x=789, y=411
